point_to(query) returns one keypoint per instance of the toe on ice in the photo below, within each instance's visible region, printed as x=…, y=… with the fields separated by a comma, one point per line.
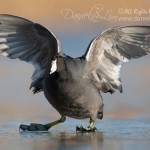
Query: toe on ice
x=83, y=129
x=23, y=127
x=33, y=127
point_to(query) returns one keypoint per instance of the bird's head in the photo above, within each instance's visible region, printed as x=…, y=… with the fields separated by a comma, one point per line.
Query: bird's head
x=58, y=63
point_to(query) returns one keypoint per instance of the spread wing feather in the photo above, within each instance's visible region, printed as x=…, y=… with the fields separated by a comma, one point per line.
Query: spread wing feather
x=30, y=42
x=110, y=49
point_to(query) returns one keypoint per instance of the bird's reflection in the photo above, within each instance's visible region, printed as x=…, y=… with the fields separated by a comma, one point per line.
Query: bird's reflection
x=80, y=140
x=65, y=140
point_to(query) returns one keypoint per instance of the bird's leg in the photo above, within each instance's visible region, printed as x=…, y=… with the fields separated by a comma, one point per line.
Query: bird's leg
x=61, y=120
x=86, y=129
x=41, y=127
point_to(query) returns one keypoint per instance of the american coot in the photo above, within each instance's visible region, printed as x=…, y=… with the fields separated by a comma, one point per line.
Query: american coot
x=72, y=85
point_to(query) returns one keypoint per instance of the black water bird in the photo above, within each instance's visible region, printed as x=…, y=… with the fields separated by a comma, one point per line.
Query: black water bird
x=72, y=85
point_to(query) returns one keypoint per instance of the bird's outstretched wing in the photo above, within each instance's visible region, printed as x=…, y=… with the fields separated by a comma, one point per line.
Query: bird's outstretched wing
x=30, y=42
x=108, y=50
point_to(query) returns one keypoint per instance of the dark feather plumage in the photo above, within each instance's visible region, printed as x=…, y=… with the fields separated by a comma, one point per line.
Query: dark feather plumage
x=30, y=42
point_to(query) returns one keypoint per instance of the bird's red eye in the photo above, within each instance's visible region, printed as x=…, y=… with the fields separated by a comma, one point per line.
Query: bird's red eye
x=59, y=62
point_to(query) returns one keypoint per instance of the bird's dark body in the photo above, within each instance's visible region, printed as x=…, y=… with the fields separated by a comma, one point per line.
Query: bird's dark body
x=70, y=96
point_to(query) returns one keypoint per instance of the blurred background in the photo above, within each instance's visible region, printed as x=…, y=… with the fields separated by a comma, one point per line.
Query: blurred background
x=75, y=23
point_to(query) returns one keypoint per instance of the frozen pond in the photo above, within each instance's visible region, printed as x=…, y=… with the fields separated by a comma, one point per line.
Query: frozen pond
x=112, y=134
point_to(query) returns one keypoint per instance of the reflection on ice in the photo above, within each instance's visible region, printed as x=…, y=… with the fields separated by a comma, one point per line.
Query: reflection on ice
x=112, y=134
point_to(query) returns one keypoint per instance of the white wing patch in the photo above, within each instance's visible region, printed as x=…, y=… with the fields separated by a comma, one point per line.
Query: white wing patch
x=54, y=66
x=108, y=69
x=5, y=54
x=90, y=48
x=110, y=49
x=3, y=46
x=3, y=40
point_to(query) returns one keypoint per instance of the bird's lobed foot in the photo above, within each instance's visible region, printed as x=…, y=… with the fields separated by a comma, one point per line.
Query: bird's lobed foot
x=34, y=127
x=85, y=129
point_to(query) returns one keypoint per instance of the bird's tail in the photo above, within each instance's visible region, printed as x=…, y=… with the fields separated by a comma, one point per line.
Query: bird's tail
x=100, y=115
x=100, y=112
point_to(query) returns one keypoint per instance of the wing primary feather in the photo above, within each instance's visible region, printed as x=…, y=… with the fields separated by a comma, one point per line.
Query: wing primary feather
x=30, y=42
x=110, y=49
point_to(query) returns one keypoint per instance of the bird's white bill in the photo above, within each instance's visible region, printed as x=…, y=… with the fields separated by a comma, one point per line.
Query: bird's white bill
x=54, y=66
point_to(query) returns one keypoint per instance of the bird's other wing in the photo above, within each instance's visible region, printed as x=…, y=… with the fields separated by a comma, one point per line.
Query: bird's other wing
x=108, y=50
x=30, y=42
